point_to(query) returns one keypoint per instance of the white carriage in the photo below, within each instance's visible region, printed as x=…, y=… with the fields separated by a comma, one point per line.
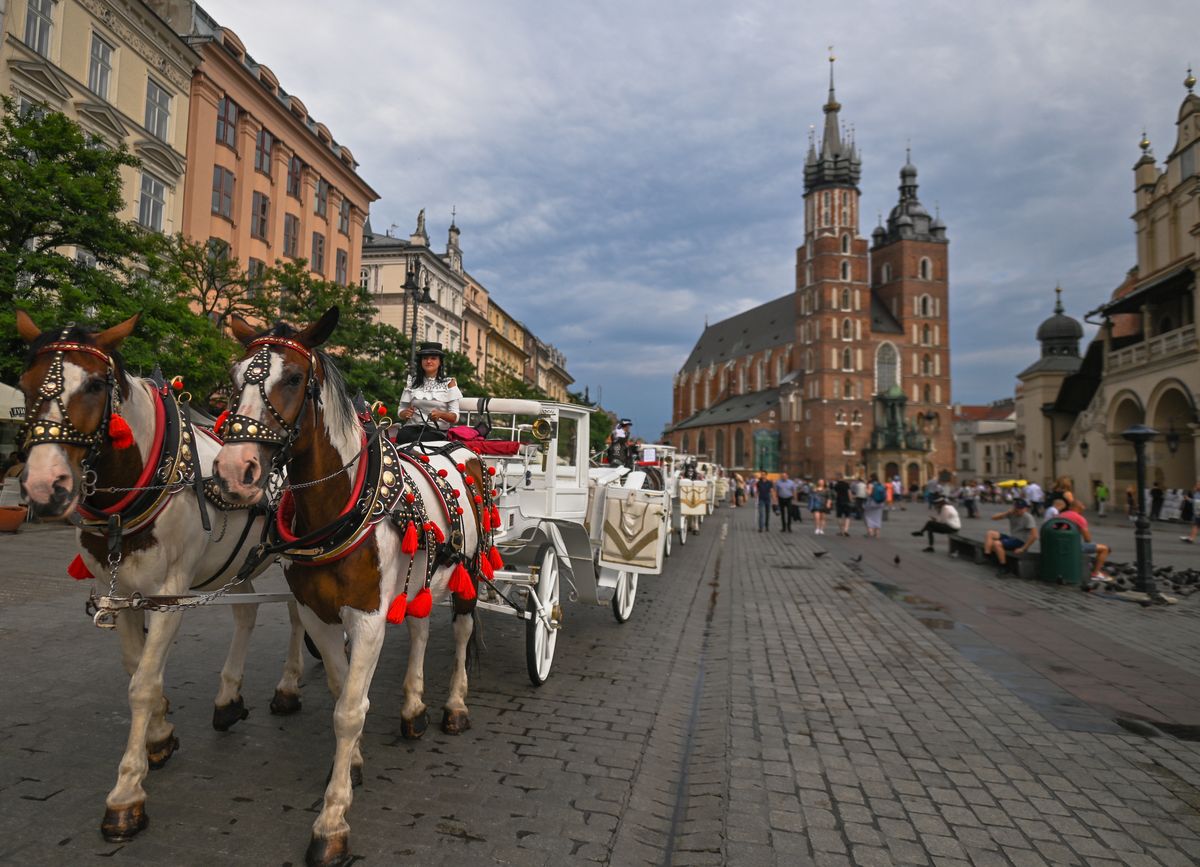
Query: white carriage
x=596, y=530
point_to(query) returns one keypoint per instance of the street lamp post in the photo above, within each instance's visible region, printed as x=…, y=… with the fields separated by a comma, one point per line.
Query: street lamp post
x=1139, y=435
x=420, y=295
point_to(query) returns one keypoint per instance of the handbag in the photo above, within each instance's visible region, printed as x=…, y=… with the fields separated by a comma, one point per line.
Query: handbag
x=478, y=431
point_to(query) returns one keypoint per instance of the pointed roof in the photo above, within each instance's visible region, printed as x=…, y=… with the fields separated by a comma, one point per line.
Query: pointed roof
x=909, y=220
x=838, y=163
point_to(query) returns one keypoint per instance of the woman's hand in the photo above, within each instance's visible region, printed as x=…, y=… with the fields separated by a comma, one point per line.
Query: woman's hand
x=406, y=413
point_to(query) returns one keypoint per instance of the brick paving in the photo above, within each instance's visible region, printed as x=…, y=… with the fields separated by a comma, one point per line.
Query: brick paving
x=763, y=706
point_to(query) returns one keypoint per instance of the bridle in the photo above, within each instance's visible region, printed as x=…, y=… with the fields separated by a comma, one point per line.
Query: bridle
x=238, y=428
x=40, y=431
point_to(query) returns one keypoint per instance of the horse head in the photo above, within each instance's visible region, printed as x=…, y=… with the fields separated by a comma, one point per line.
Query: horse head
x=73, y=384
x=274, y=383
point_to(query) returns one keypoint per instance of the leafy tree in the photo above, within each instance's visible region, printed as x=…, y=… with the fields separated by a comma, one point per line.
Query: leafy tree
x=212, y=279
x=500, y=383
x=601, y=423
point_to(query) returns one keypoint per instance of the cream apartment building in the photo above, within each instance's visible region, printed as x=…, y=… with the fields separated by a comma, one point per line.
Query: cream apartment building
x=121, y=72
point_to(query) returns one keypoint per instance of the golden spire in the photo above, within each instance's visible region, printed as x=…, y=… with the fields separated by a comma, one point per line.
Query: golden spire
x=1190, y=81
x=1144, y=144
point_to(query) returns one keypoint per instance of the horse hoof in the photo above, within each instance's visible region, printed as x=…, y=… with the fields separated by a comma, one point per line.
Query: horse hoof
x=157, y=754
x=226, y=716
x=122, y=824
x=415, y=727
x=328, y=851
x=285, y=703
x=455, y=722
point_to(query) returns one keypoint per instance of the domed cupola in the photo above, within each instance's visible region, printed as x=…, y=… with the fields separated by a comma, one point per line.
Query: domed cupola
x=1060, y=334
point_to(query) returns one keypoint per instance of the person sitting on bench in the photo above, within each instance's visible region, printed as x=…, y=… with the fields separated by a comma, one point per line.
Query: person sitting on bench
x=946, y=521
x=1072, y=512
x=1022, y=533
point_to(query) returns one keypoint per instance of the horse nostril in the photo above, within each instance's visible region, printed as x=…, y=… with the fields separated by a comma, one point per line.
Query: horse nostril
x=248, y=477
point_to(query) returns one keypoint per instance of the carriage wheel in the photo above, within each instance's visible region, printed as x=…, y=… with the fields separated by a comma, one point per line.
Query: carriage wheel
x=667, y=538
x=623, y=599
x=683, y=529
x=539, y=637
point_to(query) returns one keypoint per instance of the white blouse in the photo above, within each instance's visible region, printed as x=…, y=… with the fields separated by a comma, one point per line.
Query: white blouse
x=430, y=395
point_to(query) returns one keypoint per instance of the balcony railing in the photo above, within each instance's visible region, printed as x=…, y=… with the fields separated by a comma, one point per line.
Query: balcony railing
x=1175, y=342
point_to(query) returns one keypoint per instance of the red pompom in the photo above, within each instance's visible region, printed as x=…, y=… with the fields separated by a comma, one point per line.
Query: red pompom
x=408, y=544
x=424, y=458
x=177, y=383
x=470, y=480
x=119, y=432
x=220, y=422
x=458, y=510
x=462, y=468
x=442, y=472
x=381, y=409
x=478, y=500
x=396, y=609
x=456, y=492
x=79, y=570
x=421, y=605
x=495, y=559
x=491, y=471
x=410, y=498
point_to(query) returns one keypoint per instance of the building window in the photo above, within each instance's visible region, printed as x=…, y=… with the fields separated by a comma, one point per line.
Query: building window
x=344, y=217
x=158, y=109
x=153, y=202
x=926, y=270
x=321, y=205
x=845, y=299
x=887, y=365
x=222, y=192
x=847, y=329
x=779, y=370
x=928, y=395
x=260, y=216
x=341, y=267
x=885, y=275
x=255, y=269
x=846, y=243
x=293, y=180
x=291, y=235
x=318, y=253
x=845, y=270
x=39, y=18
x=926, y=366
x=924, y=305
x=227, y=115
x=364, y=278
x=262, y=152
x=847, y=359
x=100, y=67
x=848, y=390
x=925, y=335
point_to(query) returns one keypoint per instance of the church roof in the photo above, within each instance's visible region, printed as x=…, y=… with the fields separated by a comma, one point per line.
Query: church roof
x=882, y=319
x=741, y=407
x=762, y=327
x=1052, y=364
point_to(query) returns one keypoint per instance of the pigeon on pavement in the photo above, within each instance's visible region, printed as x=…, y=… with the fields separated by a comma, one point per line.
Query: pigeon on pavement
x=820, y=553
x=857, y=559
x=897, y=560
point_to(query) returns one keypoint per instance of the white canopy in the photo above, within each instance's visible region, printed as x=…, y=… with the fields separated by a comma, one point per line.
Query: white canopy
x=12, y=404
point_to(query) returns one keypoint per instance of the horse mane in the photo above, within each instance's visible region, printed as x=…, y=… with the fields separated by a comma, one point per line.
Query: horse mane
x=340, y=418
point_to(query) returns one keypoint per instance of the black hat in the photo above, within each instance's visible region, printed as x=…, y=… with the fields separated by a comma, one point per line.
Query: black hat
x=938, y=499
x=1020, y=503
x=430, y=348
x=624, y=422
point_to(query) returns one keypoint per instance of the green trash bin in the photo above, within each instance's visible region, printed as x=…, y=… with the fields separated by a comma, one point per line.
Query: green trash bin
x=1062, y=552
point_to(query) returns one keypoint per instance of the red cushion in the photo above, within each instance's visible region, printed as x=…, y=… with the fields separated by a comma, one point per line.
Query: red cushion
x=493, y=447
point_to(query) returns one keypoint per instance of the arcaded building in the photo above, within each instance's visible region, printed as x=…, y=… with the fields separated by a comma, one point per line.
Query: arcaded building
x=849, y=373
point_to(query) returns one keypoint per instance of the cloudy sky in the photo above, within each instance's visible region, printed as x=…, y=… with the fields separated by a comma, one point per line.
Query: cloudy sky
x=623, y=171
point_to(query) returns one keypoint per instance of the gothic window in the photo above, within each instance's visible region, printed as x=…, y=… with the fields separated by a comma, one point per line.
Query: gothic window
x=845, y=270
x=848, y=390
x=808, y=275
x=701, y=444
x=742, y=379
x=719, y=457
x=846, y=243
x=926, y=366
x=886, y=367
x=846, y=441
x=761, y=374
x=847, y=329
x=925, y=308
x=739, y=448
x=685, y=441
x=926, y=269
x=779, y=369
x=885, y=275
x=847, y=360
x=808, y=356
x=925, y=335
x=845, y=299
x=928, y=394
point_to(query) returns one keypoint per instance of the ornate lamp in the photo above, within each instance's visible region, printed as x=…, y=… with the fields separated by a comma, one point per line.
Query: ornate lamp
x=1139, y=435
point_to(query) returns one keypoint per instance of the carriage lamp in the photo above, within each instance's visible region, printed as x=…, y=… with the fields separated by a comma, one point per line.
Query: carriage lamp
x=1084, y=448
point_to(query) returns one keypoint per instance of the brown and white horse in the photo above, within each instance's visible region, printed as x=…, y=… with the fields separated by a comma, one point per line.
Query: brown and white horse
x=291, y=407
x=81, y=410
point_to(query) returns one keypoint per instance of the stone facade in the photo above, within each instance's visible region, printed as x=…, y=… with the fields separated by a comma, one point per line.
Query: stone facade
x=849, y=373
x=123, y=74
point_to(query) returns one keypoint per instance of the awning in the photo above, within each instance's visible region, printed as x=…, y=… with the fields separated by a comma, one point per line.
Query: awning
x=1174, y=280
x=12, y=404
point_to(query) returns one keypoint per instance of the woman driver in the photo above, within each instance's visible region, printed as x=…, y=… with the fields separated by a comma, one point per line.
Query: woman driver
x=431, y=400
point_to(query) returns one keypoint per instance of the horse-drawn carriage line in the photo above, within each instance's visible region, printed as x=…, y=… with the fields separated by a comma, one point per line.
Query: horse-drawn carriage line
x=554, y=517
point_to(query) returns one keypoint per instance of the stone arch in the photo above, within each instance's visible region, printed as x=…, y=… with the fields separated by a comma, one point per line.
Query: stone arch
x=1171, y=410
x=1125, y=409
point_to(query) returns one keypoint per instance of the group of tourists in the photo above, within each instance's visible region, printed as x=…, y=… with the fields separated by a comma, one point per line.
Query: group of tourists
x=846, y=499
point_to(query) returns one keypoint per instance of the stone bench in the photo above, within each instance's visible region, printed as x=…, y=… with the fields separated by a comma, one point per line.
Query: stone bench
x=1025, y=565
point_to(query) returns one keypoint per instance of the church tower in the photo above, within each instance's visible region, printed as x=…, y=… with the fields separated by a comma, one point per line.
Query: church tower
x=833, y=304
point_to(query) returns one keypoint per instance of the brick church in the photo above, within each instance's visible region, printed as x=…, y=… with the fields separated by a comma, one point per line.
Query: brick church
x=850, y=373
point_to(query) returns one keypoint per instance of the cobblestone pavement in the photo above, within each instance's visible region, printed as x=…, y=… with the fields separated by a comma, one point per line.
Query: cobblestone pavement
x=763, y=706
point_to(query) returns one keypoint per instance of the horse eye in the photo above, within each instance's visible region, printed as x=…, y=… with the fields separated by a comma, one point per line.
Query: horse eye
x=293, y=380
x=94, y=386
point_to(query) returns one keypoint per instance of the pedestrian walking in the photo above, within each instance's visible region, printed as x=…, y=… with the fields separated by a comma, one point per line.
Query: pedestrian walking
x=820, y=500
x=945, y=521
x=765, y=492
x=1036, y=497
x=739, y=489
x=1101, y=497
x=1191, y=537
x=842, y=504
x=873, y=507
x=785, y=493
x=859, y=489
x=1157, y=494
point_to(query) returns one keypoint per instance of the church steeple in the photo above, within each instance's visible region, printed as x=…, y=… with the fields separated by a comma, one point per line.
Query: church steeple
x=838, y=163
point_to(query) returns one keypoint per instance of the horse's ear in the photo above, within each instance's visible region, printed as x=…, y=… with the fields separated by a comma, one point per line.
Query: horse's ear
x=26, y=327
x=112, y=338
x=242, y=330
x=317, y=333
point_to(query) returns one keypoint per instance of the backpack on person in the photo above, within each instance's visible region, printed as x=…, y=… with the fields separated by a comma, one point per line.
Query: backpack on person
x=878, y=494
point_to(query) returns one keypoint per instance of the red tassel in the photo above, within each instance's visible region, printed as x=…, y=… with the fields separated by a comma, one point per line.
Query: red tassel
x=460, y=583
x=485, y=567
x=437, y=533
x=79, y=570
x=408, y=544
x=496, y=523
x=486, y=520
x=494, y=557
x=421, y=605
x=220, y=422
x=119, y=432
x=396, y=609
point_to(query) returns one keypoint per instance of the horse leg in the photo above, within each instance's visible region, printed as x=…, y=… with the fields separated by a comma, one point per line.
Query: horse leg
x=413, y=717
x=330, y=843
x=125, y=813
x=229, y=708
x=454, y=718
x=287, y=692
x=160, y=743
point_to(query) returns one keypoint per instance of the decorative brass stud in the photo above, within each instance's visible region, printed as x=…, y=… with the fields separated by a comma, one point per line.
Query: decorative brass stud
x=383, y=492
x=54, y=431
x=388, y=477
x=252, y=429
x=237, y=427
